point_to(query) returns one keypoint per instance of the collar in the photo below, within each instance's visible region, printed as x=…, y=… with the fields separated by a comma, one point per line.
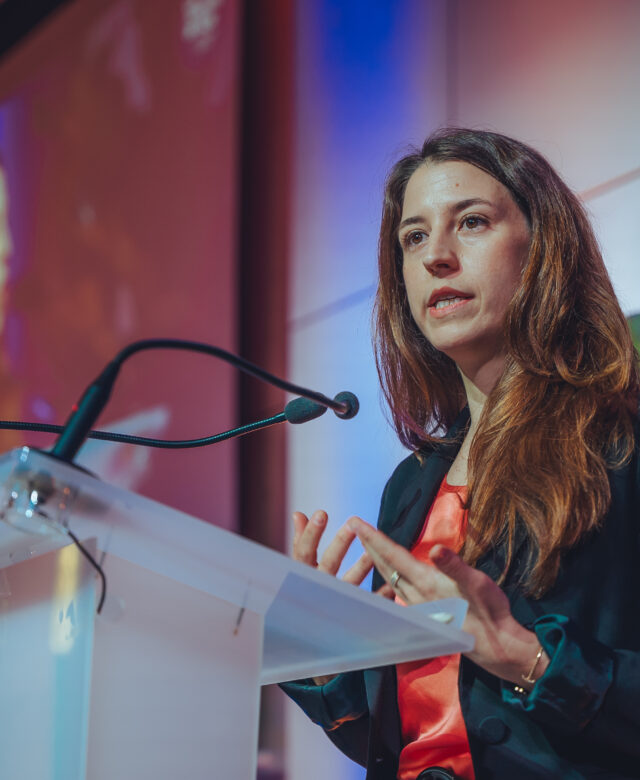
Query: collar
x=403, y=521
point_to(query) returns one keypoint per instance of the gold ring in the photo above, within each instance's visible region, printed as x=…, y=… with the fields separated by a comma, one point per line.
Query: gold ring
x=393, y=580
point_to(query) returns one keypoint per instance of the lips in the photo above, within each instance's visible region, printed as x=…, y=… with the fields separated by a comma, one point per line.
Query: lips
x=447, y=294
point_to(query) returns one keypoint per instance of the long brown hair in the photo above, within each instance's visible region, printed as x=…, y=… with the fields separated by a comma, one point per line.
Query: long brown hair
x=563, y=411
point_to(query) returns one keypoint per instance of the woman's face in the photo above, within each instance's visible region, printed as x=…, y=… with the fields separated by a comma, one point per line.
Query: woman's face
x=464, y=243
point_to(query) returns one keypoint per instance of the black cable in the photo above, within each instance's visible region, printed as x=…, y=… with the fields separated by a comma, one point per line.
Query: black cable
x=229, y=357
x=97, y=394
x=121, y=437
x=95, y=565
x=15, y=425
x=87, y=410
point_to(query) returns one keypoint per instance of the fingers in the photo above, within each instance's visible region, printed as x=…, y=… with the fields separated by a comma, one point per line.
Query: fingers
x=337, y=549
x=386, y=591
x=308, y=532
x=477, y=588
x=335, y=553
x=412, y=580
x=307, y=535
x=451, y=564
x=469, y=580
x=356, y=574
x=299, y=524
x=386, y=555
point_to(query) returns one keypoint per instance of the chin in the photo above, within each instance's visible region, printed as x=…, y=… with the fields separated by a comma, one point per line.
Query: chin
x=453, y=346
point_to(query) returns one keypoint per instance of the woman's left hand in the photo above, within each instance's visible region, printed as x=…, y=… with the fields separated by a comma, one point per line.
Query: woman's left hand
x=503, y=646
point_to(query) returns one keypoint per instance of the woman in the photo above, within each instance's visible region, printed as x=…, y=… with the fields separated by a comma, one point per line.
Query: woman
x=497, y=323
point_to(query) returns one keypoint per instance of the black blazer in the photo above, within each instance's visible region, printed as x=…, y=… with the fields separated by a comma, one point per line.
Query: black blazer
x=582, y=718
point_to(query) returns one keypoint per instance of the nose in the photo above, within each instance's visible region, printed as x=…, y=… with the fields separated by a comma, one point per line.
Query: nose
x=440, y=258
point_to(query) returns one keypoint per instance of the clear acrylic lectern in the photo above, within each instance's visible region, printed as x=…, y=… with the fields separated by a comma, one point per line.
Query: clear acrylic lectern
x=165, y=682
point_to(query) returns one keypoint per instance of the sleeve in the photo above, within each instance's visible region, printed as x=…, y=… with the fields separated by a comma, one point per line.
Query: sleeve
x=587, y=687
x=339, y=707
x=573, y=687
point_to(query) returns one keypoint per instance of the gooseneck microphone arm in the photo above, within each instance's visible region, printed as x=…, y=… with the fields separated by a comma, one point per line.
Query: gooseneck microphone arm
x=299, y=410
x=95, y=397
x=78, y=427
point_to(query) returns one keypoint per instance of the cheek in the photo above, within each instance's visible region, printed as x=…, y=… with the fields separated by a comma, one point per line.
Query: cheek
x=499, y=299
x=509, y=271
x=512, y=284
x=411, y=288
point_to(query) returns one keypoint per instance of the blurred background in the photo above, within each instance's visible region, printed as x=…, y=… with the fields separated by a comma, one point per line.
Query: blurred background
x=212, y=170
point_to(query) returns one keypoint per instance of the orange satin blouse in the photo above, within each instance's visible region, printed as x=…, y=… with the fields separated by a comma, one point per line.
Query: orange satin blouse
x=433, y=729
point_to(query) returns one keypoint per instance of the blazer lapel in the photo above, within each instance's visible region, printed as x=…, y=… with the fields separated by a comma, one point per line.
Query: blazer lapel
x=418, y=495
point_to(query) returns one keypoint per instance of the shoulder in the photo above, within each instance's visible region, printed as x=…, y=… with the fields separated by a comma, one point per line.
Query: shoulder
x=405, y=472
x=422, y=470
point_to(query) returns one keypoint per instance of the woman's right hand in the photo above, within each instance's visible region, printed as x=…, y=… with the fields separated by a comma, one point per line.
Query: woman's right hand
x=307, y=534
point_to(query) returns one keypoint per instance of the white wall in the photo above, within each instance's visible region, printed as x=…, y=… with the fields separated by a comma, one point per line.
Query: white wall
x=563, y=76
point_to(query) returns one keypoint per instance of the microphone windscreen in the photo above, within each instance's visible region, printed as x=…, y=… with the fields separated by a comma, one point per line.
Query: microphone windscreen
x=351, y=402
x=301, y=410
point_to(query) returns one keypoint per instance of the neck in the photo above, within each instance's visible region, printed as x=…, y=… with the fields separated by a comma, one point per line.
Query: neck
x=479, y=380
x=476, y=399
x=477, y=385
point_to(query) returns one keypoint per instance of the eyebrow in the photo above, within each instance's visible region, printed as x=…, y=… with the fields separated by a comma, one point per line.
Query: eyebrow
x=456, y=208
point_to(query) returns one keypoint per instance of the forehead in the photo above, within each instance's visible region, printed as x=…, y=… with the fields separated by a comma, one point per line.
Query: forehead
x=443, y=184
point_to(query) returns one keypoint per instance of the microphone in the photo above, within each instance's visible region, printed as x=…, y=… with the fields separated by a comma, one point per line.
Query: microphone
x=301, y=410
x=84, y=414
x=350, y=403
x=94, y=399
x=32, y=492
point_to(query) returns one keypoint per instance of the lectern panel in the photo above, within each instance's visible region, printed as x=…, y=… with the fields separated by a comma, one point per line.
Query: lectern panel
x=47, y=607
x=175, y=683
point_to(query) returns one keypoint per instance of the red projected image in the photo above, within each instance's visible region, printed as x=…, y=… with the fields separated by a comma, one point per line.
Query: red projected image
x=117, y=197
x=10, y=403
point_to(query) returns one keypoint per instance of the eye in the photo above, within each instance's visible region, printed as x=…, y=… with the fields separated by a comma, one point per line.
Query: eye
x=473, y=221
x=413, y=238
